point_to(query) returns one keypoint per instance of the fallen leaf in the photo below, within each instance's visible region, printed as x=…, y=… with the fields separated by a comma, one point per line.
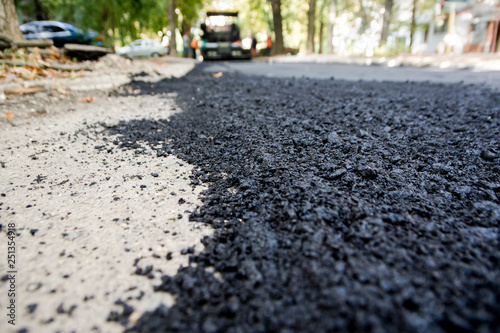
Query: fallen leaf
x=35, y=114
x=217, y=75
x=24, y=91
x=62, y=91
x=40, y=112
x=54, y=51
x=49, y=73
x=9, y=115
x=86, y=99
x=137, y=91
x=20, y=71
x=32, y=74
x=44, y=63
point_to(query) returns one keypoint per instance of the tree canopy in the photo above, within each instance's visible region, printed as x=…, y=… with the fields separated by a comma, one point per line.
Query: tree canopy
x=293, y=23
x=123, y=20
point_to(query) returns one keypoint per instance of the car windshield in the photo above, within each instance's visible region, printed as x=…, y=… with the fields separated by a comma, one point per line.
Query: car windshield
x=52, y=28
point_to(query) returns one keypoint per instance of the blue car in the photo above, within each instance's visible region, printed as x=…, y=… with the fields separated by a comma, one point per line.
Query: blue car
x=60, y=32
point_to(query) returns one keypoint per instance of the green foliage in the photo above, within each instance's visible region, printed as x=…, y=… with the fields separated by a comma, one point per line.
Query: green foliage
x=295, y=19
x=254, y=16
x=190, y=10
x=122, y=21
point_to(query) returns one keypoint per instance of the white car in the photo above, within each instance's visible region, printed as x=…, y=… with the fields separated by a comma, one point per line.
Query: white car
x=142, y=48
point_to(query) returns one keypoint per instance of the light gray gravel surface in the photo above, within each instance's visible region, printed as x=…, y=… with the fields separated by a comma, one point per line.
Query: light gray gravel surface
x=83, y=216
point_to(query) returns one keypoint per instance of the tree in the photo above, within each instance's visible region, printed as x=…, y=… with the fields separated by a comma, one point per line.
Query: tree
x=255, y=16
x=364, y=14
x=332, y=16
x=40, y=11
x=386, y=21
x=311, y=25
x=278, y=27
x=9, y=23
x=32, y=10
x=172, y=24
x=413, y=23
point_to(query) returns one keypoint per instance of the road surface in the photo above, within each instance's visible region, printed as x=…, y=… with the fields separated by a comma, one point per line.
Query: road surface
x=357, y=72
x=292, y=202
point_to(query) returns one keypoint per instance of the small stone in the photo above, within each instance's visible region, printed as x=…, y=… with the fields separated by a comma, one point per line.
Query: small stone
x=488, y=155
x=367, y=172
x=338, y=173
x=32, y=307
x=209, y=326
x=333, y=137
x=34, y=286
x=72, y=235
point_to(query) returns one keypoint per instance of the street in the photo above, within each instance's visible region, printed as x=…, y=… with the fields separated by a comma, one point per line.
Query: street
x=357, y=72
x=259, y=197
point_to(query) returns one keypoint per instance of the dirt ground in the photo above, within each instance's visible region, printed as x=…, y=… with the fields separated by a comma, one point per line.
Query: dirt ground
x=85, y=220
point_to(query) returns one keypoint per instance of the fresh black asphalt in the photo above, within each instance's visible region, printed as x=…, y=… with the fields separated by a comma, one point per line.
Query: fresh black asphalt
x=337, y=206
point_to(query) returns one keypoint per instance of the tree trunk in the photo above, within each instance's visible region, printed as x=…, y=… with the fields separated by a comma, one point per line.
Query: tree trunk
x=172, y=24
x=413, y=23
x=332, y=16
x=105, y=23
x=41, y=11
x=9, y=23
x=278, y=47
x=311, y=18
x=113, y=30
x=365, y=17
x=387, y=21
x=321, y=30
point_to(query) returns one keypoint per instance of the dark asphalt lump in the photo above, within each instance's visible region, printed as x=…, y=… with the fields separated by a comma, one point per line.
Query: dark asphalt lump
x=337, y=206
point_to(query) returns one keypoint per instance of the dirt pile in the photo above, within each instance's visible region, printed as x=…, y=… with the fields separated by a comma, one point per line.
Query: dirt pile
x=338, y=206
x=36, y=63
x=29, y=89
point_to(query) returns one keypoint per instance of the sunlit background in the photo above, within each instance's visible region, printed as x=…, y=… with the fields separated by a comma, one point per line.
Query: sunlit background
x=343, y=27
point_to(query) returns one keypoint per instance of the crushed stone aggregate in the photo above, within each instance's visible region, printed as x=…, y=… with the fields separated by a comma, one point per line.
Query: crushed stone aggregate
x=337, y=205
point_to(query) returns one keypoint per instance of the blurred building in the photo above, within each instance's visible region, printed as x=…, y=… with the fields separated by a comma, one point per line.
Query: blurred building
x=484, y=30
x=459, y=26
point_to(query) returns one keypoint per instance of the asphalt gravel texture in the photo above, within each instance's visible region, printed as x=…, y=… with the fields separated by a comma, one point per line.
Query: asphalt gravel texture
x=337, y=205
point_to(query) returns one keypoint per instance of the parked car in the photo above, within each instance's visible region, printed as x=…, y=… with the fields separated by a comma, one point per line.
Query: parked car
x=142, y=48
x=60, y=32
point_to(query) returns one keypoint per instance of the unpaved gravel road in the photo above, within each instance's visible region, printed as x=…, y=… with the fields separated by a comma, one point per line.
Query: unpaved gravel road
x=89, y=216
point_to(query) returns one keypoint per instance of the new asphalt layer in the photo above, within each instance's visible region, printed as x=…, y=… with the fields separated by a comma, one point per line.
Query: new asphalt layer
x=337, y=205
